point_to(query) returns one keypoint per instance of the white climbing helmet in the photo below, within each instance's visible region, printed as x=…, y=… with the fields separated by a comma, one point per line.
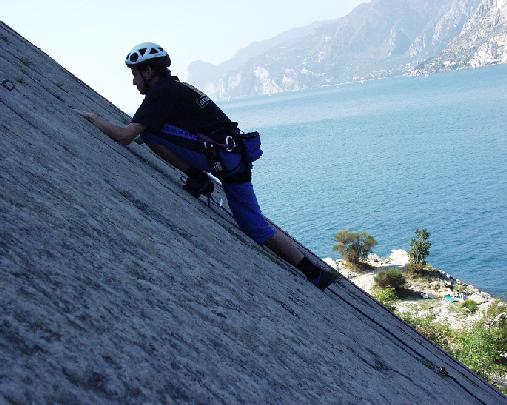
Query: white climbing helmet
x=147, y=51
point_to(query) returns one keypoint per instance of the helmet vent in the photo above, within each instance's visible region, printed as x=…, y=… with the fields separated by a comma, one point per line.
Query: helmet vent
x=153, y=51
x=142, y=51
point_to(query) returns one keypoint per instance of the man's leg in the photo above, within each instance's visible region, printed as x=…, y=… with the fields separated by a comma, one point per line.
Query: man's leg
x=198, y=183
x=247, y=213
x=284, y=247
x=287, y=249
x=170, y=157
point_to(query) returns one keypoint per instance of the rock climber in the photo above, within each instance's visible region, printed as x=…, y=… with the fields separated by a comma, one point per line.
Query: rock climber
x=187, y=129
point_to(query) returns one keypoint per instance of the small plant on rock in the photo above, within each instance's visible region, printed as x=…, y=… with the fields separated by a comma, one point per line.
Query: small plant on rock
x=496, y=316
x=438, y=332
x=390, y=278
x=418, y=272
x=25, y=61
x=470, y=305
x=386, y=296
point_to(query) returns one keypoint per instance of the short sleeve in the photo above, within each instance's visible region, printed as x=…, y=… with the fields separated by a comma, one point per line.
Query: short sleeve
x=155, y=109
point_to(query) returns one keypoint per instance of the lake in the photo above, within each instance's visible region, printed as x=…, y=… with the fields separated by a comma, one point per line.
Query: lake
x=388, y=157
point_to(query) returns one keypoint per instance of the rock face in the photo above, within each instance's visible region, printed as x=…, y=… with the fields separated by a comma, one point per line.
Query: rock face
x=483, y=41
x=117, y=287
x=378, y=39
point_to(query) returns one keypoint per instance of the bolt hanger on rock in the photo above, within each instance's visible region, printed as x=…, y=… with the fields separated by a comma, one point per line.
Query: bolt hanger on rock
x=9, y=85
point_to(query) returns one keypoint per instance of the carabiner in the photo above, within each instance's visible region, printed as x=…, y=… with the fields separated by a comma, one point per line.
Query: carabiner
x=227, y=147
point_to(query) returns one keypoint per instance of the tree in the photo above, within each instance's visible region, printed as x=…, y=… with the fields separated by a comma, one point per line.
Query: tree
x=419, y=247
x=354, y=246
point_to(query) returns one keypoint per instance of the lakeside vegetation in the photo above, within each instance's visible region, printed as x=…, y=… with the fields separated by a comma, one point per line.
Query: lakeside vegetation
x=414, y=293
x=481, y=347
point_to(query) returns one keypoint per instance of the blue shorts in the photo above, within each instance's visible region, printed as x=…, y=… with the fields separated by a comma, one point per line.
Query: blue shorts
x=240, y=196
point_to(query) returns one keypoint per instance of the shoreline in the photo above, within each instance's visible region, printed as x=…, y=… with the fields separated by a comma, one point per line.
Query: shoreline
x=440, y=298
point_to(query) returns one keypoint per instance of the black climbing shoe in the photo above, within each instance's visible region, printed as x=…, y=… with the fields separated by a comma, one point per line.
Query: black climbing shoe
x=317, y=274
x=325, y=279
x=198, y=183
x=199, y=186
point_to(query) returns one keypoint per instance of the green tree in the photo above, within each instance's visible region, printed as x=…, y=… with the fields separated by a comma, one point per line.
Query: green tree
x=419, y=247
x=354, y=246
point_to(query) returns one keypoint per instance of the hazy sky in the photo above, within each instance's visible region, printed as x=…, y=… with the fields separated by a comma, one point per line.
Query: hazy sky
x=91, y=38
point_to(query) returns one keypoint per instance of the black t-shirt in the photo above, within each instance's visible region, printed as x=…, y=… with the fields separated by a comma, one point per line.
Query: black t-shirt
x=170, y=101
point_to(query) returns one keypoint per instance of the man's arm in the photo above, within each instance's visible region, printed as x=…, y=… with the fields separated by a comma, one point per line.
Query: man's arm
x=123, y=135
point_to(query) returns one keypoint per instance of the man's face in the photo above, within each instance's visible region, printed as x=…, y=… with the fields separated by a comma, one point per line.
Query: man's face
x=138, y=80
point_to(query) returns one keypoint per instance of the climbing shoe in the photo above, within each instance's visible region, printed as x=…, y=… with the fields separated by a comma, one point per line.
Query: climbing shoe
x=325, y=279
x=198, y=183
x=198, y=187
x=317, y=275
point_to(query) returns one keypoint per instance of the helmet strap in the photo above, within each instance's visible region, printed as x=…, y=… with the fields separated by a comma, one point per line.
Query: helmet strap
x=146, y=83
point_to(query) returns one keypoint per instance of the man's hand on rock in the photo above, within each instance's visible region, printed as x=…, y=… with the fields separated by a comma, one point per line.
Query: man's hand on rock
x=89, y=116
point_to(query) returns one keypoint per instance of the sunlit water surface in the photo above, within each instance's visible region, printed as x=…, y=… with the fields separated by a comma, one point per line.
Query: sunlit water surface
x=389, y=157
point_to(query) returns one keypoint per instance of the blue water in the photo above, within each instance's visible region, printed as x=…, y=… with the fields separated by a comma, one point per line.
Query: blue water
x=389, y=157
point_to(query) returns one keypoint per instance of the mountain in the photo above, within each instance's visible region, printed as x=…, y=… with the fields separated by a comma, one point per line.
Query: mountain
x=443, y=28
x=482, y=42
x=202, y=73
x=117, y=287
x=377, y=39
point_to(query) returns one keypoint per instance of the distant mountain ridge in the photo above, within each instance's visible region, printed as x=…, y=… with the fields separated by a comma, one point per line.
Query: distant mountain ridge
x=202, y=72
x=377, y=39
x=482, y=42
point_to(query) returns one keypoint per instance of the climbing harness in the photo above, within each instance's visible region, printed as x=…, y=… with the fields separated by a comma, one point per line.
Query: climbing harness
x=230, y=153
